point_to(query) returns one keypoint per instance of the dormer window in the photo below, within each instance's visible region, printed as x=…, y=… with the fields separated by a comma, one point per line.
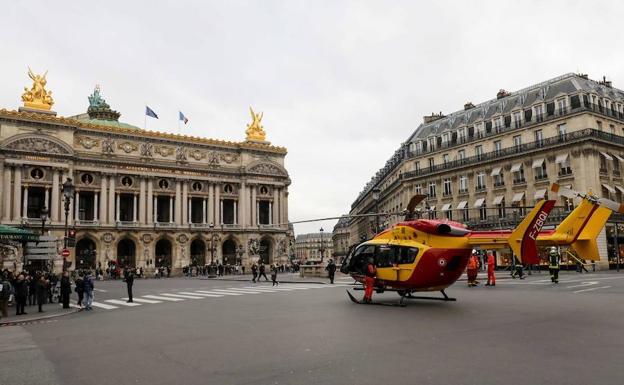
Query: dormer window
x=539, y=113
x=431, y=143
x=419, y=147
x=517, y=117
x=445, y=138
x=461, y=135
x=561, y=106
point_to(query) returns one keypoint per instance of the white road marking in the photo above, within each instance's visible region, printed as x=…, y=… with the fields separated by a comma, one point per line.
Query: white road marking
x=101, y=290
x=123, y=303
x=271, y=289
x=237, y=291
x=103, y=306
x=142, y=300
x=593, y=288
x=163, y=298
x=201, y=294
x=182, y=296
x=583, y=284
x=257, y=290
x=220, y=293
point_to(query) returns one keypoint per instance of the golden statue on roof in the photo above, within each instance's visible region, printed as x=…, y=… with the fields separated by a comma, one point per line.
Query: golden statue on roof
x=37, y=97
x=255, y=131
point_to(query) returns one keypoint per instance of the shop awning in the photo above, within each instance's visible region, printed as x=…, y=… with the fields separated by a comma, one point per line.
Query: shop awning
x=619, y=158
x=496, y=171
x=538, y=163
x=498, y=200
x=619, y=188
x=446, y=207
x=562, y=158
x=8, y=233
x=539, y=194
x=518, y=197
x=516, y=167
x=611, y=189
x=607, y=156
x=462, y=205
x=479, y=202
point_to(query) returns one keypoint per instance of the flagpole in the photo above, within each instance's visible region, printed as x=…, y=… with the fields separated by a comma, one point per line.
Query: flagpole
x=145, y=118
x=178, y=123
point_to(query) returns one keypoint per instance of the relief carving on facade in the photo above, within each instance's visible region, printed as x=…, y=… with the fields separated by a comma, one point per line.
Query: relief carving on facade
x=180, y=154
x=128, y=147
x=253, y=246
x=87, y=142
x=147, y=238
x=182, y=238
x=147, y=150
x=40, y=145
x=107, y=237
x=197, y=155
x=213, y=159
x=229, y=158
x=266, y=168
x=108, y=146
x=163, y=151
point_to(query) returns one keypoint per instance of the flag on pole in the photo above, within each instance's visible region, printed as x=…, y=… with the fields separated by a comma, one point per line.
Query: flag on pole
x=150, y=112
x=182, y=117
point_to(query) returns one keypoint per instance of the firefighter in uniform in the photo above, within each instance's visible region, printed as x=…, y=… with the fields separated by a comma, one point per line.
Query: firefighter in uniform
x=369, y=281
x=472, y=269
x=491, y=280
x=554, y=259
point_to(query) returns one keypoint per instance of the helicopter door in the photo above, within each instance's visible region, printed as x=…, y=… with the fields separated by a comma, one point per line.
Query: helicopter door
x=356, y=261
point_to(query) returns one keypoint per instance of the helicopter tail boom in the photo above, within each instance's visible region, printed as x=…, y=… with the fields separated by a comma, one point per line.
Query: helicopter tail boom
x=523, y=240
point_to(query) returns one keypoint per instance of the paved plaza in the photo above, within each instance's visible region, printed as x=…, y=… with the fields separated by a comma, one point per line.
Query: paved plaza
x=198, y=331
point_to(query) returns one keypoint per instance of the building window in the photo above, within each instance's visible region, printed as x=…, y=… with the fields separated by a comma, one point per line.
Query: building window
x=449, y=214
x=86, y=178
x=480, y=181
x=446, y=159
x=432, y=190
x=465, y=215
x=550, y=108
x=417, y=166
x=431, y=164
x=447, y=187
x=540, y=171
x=562, y=131
x=463, y=184
x=539, y=137
x=517, y=140
x=419, y=147
x=229, y=212
x=539, y=113
x=568, y=204
x=564, y=165
x=163, y=184
x=479, y=151
x=483, y=212
x=599, y=125
x=501, y=209
x=497, y=147
x=561, y=106
x=432, y=143
x=126, y=181
x=36, y=202
x=197, y=186
x=163, y=209
x=518, y=175
x=603, y=164
x=575, y=101
x=461, y=135
x=479, y=129
x=498, y=180
x=418, y=189
x=461, y=155
x=445, y=139
x=36, y=173
x=228, y=188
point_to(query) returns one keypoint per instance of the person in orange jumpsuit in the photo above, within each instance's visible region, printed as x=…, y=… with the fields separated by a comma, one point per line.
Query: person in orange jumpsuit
x=473, y=266
x=490, y=270
x=369, y=281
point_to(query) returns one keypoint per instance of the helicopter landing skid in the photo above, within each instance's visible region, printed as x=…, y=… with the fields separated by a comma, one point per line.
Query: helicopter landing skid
x=355, y=300
x=444, y=298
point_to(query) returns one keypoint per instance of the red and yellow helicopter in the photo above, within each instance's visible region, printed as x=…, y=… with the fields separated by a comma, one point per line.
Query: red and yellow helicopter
x=420, y=255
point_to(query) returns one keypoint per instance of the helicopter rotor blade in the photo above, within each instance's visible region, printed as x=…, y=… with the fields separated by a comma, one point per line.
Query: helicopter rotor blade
x=612, y=205
x=569, y=193
x=415, y=201
x=564, y=191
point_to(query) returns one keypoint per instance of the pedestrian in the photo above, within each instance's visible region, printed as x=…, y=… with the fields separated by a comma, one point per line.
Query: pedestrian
x=369, y=280
x=129, y=278
x=472, y=269
x=518, y=270
x=21, y=292
x=254, y=272
x=168, y=271
x=491, y=278
x=31, y=282
x=553, y=267
x=42, y=291
x=274, y=275
x=79, y=289
x=5, y=293
x=331, y=270
x=65, y=289
x=262, y=272
x=88, y=290
x=220, y=269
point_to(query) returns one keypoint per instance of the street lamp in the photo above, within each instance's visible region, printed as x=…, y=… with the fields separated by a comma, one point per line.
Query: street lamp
x=240, y=251
x=44, y=217
x=376, y=193
x=322, y=249
x=68, y=195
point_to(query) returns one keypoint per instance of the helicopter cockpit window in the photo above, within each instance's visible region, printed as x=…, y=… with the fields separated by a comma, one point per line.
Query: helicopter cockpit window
x=360, y=258
x=385, y=256
x=407, y=255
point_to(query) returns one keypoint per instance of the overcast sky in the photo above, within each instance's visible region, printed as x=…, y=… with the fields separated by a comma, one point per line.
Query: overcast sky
x=342, y=83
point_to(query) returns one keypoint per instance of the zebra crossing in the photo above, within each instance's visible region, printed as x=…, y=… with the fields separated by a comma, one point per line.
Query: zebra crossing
x=188, y=295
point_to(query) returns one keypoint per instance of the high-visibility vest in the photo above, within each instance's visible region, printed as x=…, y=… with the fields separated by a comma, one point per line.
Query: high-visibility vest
x=554, y=260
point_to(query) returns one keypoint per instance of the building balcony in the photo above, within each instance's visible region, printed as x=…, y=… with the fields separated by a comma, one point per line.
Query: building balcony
x=463, y=191
x=86, y=223
x=616, y=172
x=230, y=226
x=480, y=188
x=541, y=177
x=127, y=224
x=564, y=172
x=199, y=225
x=269, y=227
x=603, y=171
x=164, y=225
x=499, y=184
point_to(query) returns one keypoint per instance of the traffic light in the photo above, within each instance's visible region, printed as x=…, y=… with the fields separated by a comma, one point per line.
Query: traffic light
x=71, y=238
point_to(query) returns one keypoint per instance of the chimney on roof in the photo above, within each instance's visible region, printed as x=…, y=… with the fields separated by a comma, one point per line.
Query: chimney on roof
x=584, y=76
x=432, y=117
x=605, y=82
x=468, y=106
x=502, y=93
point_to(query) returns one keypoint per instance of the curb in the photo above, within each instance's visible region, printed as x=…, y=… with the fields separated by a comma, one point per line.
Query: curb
x=249, y=280
x=41, y=318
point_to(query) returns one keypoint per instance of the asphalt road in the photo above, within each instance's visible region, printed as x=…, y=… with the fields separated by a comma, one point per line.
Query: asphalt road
x=519, y=332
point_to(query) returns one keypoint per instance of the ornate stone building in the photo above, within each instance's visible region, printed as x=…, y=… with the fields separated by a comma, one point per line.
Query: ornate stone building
x=142, y=198
x=313, y=247
x=486, y=164
x=341, y=239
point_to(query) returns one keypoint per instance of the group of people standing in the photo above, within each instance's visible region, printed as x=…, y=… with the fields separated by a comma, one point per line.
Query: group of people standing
x=259, y=271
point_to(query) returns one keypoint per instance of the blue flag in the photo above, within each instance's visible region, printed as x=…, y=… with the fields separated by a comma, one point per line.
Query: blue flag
x=150, y=112
x=182, y=117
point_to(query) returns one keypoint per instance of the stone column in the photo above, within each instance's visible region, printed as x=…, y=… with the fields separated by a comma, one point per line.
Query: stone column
x=56, y=197
x=189, y=205
x=134, y=208
x=254, y=207
x=170, y=209
x=6, y=213
x=2, y=187
x=142, y=202
x=103, y=183
x=77, y=207
x=217, y=190
x=275, y=208
x=17, y=194
x=150, y=203
x=242, y=205
x=155, y=213
x=111, y=199
x=117, y=206
x=211, y=210
x=25, y=203
x=178, y=203
x=286, y=206
x=46, y=199
x=95, y=206
x=204, y=211
x=185, y=206
x=220, y=211
x=235, y=212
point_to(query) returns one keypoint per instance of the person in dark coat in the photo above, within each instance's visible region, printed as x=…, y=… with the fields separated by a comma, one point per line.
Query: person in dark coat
x=129, y=282
x=31, y=281
x=254, y=272
x=262, y=272
x=331, y=270
x=42, y=291
x=79, y=289
x=21, y=294
x=65, y=290
x=274, y=275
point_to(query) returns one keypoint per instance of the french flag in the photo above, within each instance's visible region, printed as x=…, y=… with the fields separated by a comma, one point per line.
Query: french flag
x=182, y=117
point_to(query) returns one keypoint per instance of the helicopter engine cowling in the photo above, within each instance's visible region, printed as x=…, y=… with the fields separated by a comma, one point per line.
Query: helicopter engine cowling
x=448, y=229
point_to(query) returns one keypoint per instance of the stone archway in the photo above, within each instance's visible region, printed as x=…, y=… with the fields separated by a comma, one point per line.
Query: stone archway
x=163, y=253
x=198, y=252
x=229, y=252
x=86, y=254
x=126, y=253
x=266, y=250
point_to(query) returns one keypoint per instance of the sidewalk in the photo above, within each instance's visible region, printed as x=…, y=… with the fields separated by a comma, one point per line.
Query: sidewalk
x=51, y=310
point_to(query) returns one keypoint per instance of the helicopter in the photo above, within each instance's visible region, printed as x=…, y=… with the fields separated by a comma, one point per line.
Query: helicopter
x=426, y=255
